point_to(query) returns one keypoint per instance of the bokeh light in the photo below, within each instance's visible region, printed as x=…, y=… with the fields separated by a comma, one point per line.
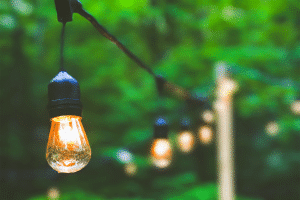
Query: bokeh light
x=130, y=169
x=161, y=163
x=208, y=116
x=22, y=7
x=161, y=153
x=295, y=107
x=124, y=156
x=205, y=134
x=53, y=193
x=228, y=87
x=272, y=128
x=7, y=21
x=186, y=141
x=275, y=160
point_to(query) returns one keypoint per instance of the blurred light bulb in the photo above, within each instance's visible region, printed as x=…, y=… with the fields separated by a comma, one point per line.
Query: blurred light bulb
x=53, y=193
x=186, y=141
x=272, y=128
x=208, y=116
x=130, y=169
x=68, y=149
x=205, y=134
x=295, y=107
x=161, y=153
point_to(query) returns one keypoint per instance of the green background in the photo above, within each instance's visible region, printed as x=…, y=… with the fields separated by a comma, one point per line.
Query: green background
x=180, y=39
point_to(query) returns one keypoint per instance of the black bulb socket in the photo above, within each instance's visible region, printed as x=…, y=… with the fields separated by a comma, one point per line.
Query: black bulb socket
x=64, y=96
x=161, y=131
x=184, y=127
x=64, y=11
x=185, y=124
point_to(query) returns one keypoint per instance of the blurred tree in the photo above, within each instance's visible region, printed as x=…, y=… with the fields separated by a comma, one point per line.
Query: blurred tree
x=180, y=39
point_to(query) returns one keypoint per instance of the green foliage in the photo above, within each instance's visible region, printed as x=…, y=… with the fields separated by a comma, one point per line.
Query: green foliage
x=180, y=39
x=72, y=195
x=205, y=192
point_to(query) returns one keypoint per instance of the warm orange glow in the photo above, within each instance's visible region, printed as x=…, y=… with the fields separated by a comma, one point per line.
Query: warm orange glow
x=130, y=169
x=186, y=141
x=205, y=134
x=208, y=116
x=161, y=153
x=68, y=149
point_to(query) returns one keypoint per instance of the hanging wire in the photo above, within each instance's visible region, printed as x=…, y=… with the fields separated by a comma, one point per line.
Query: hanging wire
x=160, y=81
x=62, y=40
x=174, y=89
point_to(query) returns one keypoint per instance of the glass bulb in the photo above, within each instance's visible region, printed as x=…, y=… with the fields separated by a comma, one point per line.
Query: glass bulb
x=186, y=141
x=161, y=153
x=68, y=149
x=205, y=134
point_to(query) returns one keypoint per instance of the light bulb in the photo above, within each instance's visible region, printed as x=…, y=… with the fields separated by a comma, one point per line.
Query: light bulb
x=205, y=134
x=68, y=149
x=161, y=153
x=186, y=141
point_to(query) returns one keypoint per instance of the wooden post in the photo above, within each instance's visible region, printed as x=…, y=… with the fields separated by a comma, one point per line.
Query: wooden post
x=225, y=146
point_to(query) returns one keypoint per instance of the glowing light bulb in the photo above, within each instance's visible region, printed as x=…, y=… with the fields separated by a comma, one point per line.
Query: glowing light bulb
x=186, y=141
x=161, y=153
x=205, y=134
x=68, y=149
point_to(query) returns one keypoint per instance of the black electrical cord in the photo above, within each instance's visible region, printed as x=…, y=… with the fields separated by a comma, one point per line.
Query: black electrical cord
x=65, y=10
x=180, y=92
x=62, y=41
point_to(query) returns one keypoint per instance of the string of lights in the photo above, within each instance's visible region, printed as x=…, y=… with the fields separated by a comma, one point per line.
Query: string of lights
x=65, y=109
x=254, y=74
x=68, y=149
